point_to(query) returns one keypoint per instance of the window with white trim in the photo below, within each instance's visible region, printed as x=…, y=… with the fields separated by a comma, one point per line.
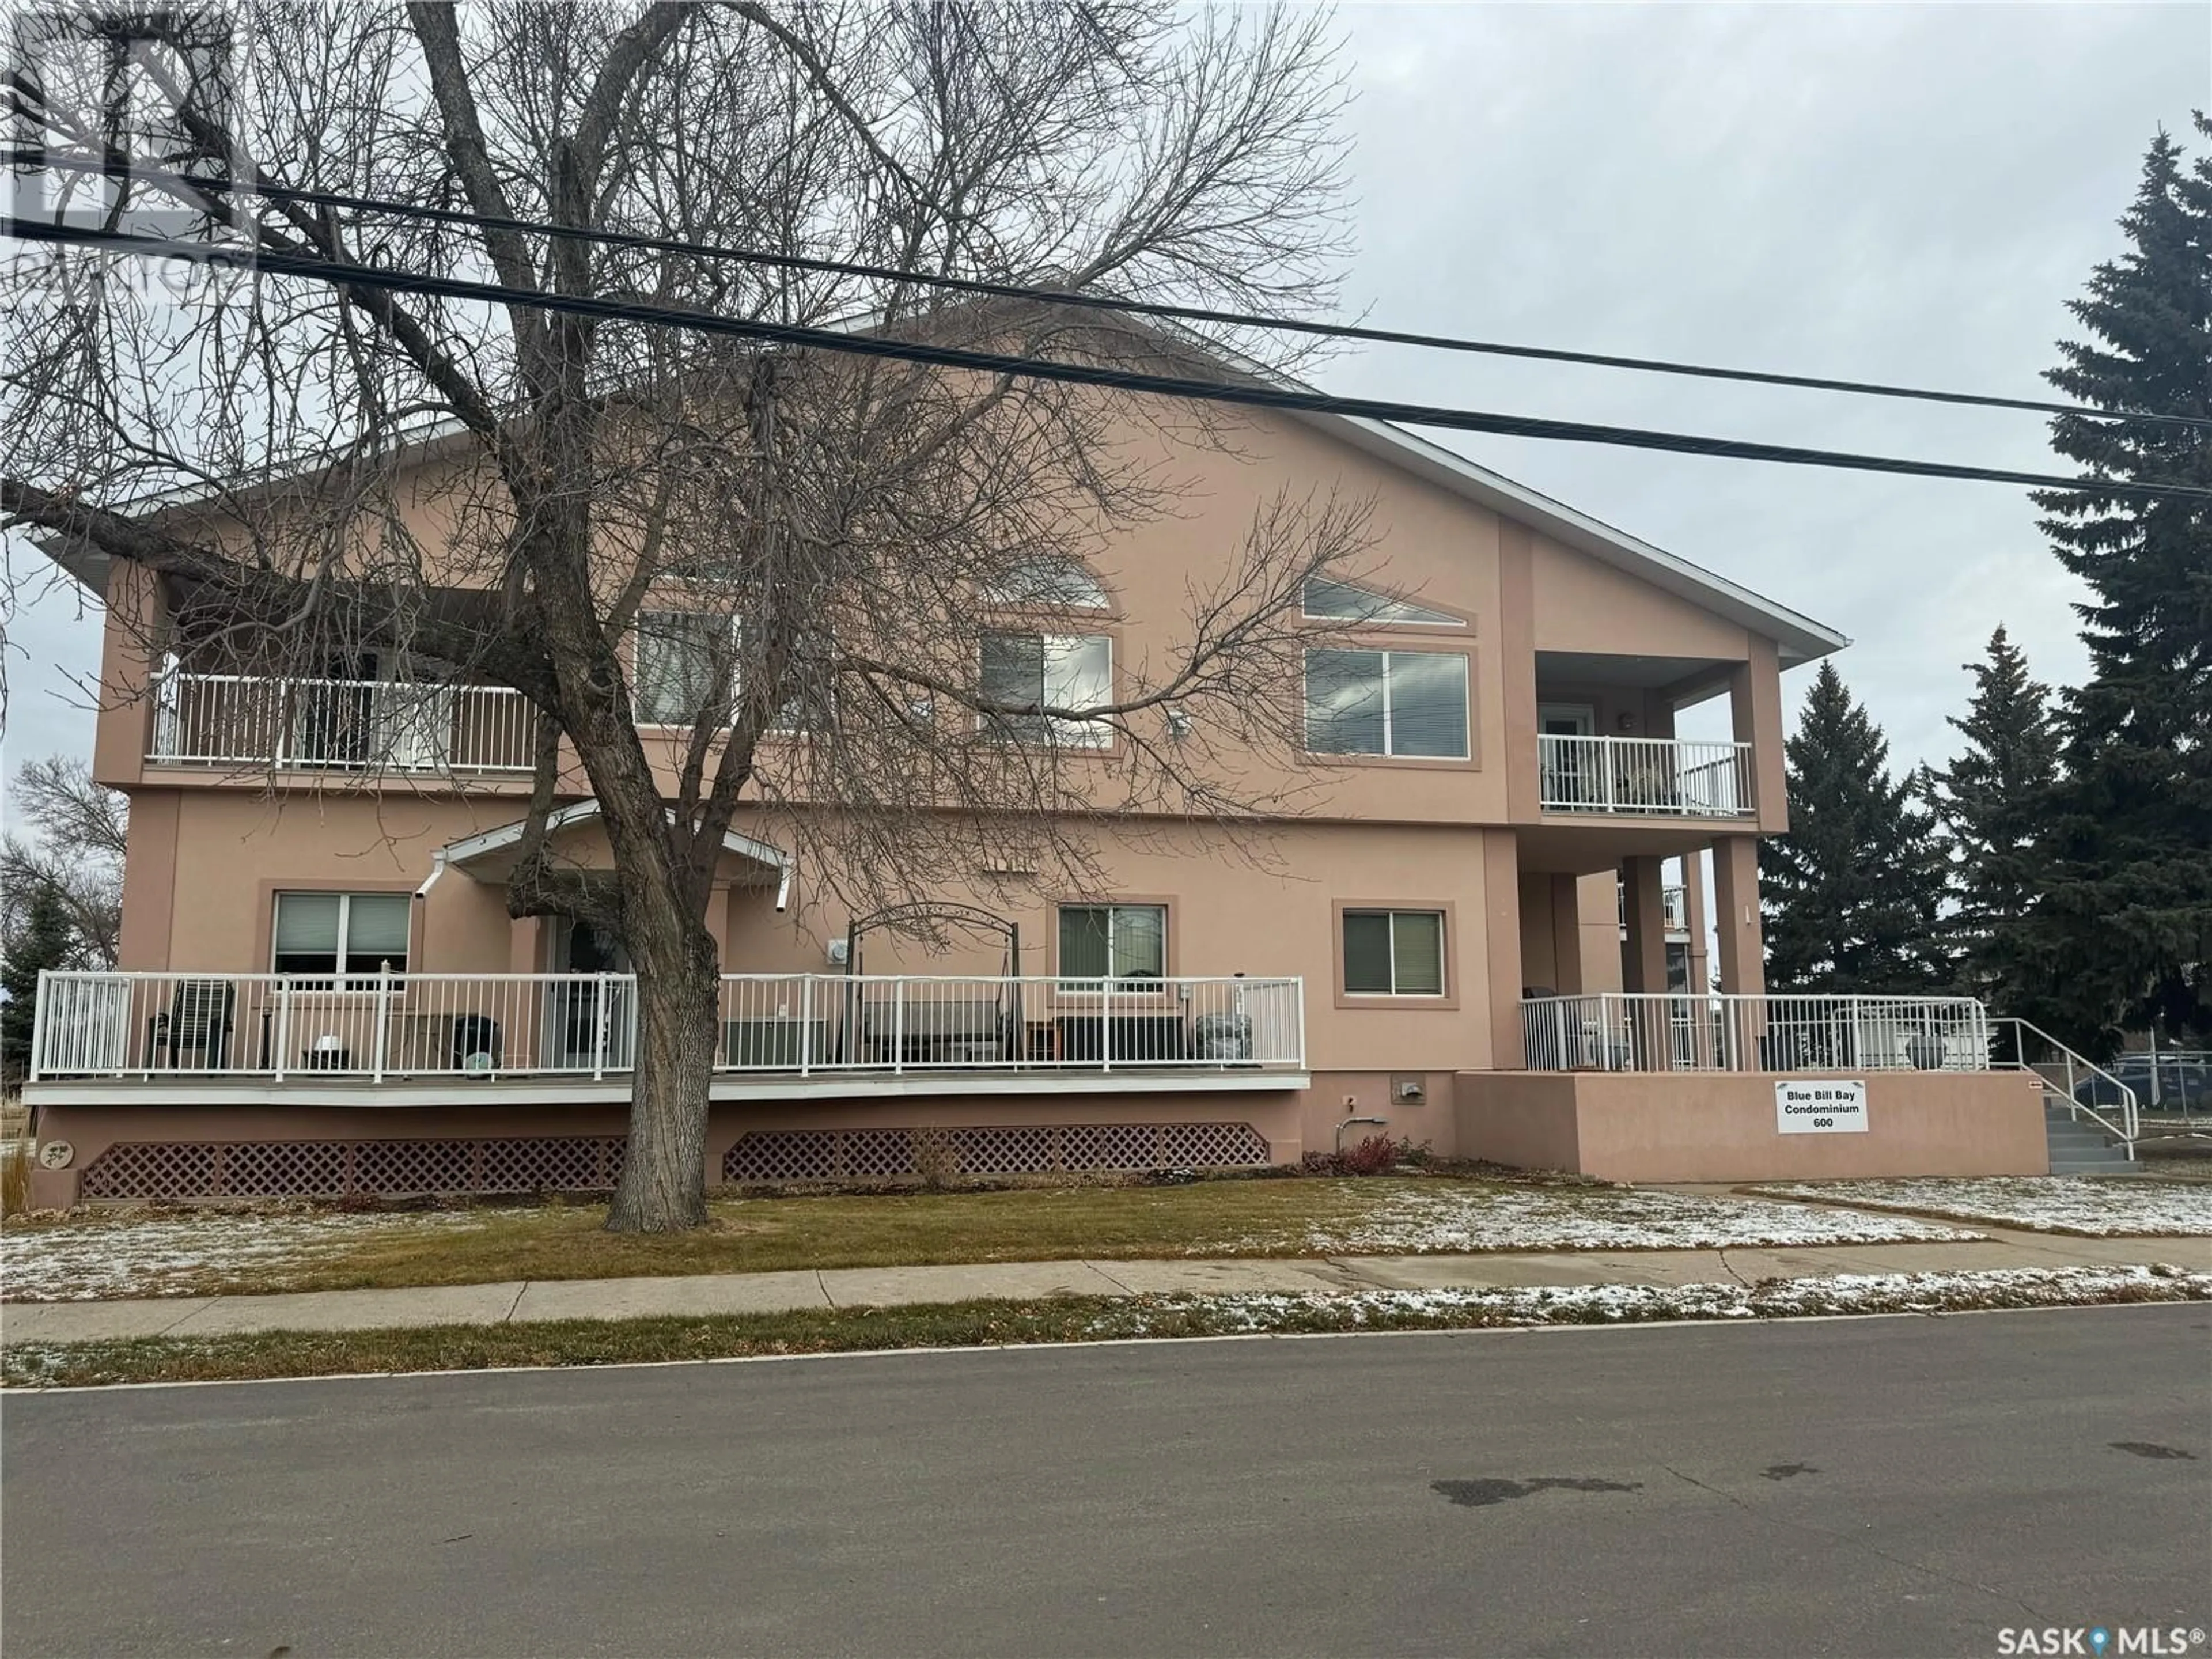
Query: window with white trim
x=1125, y=942
x=686, y=665
x=357, y=934
x=1329, y=600
x=1394, y=953
x=1044, y=580
x=1045, y=671
x=1387, y=703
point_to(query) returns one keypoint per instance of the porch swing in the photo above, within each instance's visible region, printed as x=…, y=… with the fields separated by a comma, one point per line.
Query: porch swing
x=935, y=1022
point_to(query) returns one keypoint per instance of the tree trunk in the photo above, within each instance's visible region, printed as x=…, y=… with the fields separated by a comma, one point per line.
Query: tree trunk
x=662, y=1187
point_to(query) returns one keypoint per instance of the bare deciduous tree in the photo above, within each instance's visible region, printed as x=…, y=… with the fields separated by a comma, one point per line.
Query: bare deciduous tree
x=793, y=557
x=73, y=849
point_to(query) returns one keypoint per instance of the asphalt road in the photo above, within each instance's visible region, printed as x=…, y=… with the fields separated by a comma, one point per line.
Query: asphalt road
x=1860, y=1488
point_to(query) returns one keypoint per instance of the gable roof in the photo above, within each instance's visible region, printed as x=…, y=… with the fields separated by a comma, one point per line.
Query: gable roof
x=479, y=855
x=1798, y=638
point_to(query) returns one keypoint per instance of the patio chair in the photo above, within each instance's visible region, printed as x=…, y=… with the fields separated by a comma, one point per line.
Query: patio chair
x=199, y=1019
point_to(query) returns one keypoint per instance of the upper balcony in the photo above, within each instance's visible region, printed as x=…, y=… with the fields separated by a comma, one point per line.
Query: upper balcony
x=1645, y=777
x=242, y=723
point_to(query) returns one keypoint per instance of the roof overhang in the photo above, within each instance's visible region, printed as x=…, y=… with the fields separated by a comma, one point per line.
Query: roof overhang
x=489, y=856
x=1797, y=637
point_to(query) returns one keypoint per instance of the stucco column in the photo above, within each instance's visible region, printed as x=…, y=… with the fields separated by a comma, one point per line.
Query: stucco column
x=1694, y=912
x=137, y=618
x=1598, y=901
x=1516, y=665
x=1566, y=936
x=1755, y=713
x=1736, y=912
x=1643, y=962
x=149, y=880
x=1500, y=953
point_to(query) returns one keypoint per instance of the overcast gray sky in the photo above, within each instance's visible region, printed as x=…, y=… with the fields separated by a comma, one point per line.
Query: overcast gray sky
x=1882, y=193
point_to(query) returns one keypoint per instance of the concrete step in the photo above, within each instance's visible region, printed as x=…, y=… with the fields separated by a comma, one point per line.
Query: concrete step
x=2081, y=1146
x=2116, y=1167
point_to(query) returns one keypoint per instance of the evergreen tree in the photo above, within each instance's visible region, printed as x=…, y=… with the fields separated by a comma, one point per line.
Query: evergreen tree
x=2123, y=931
x=47, y=941
x=1992, y=802
x=1852, y=892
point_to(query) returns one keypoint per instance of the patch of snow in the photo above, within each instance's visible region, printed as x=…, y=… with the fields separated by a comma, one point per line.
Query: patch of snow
x=1258, y=1312
x=187, y=1255
x=1406, y=1218
x=2121, y=1207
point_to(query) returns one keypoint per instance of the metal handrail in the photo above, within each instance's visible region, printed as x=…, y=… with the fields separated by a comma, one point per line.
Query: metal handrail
x=1720, y=1031
x=1661, y=776
x=387, y=1023
x=2127, y=1130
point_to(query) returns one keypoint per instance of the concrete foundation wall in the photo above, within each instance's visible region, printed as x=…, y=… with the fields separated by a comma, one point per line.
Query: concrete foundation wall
x=1711, y=1126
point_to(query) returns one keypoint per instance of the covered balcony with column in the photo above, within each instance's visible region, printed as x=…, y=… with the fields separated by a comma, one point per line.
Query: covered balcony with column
x=1627, y=1073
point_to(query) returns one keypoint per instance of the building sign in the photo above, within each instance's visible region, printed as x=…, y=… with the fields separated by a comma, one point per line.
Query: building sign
x=1820, y=1106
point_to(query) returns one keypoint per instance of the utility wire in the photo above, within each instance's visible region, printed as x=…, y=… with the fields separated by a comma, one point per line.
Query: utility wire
x=334, y=199
x=1253, y=393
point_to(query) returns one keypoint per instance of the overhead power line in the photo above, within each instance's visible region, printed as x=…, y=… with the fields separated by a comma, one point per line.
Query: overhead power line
x=1252, y=393
x=1092, y=301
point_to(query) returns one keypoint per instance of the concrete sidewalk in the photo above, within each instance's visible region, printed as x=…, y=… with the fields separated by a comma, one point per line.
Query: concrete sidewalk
x=521, y=1302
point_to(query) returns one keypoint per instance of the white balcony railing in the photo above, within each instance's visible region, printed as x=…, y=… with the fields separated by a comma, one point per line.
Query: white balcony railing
x=1660, y=776
x=1674, y=908
x=1703, y=1031
x=357, y=726
x=385, y=1026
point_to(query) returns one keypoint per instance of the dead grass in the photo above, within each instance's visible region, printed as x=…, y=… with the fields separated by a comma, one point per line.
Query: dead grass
x=14, y=1176
x=995, y=1323
x=556, y=1240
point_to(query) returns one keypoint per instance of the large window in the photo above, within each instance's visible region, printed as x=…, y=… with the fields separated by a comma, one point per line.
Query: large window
x=1049, y=671
x=1387, y=703
x=678, y=654
x=1394, y=953
x=331, y=934
x=1125, y=942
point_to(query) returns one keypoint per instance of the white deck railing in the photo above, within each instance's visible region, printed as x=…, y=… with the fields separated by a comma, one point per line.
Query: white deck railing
x=1674, y=907
x=1650, y=776
x=1691, y=1031
x=362, y=726
x=392, y=1026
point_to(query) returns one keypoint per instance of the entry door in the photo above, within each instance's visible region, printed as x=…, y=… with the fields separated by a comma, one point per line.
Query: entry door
x=1570, y=774
x=576, y=1010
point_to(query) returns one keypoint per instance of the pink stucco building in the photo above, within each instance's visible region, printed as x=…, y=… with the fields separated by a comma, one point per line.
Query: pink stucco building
x=1464, y=934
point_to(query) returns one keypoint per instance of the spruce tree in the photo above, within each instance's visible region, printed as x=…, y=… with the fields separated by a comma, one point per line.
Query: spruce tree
x=1852, y=891
x=1992, y=802
x=2123, y=931
x=47, y=941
